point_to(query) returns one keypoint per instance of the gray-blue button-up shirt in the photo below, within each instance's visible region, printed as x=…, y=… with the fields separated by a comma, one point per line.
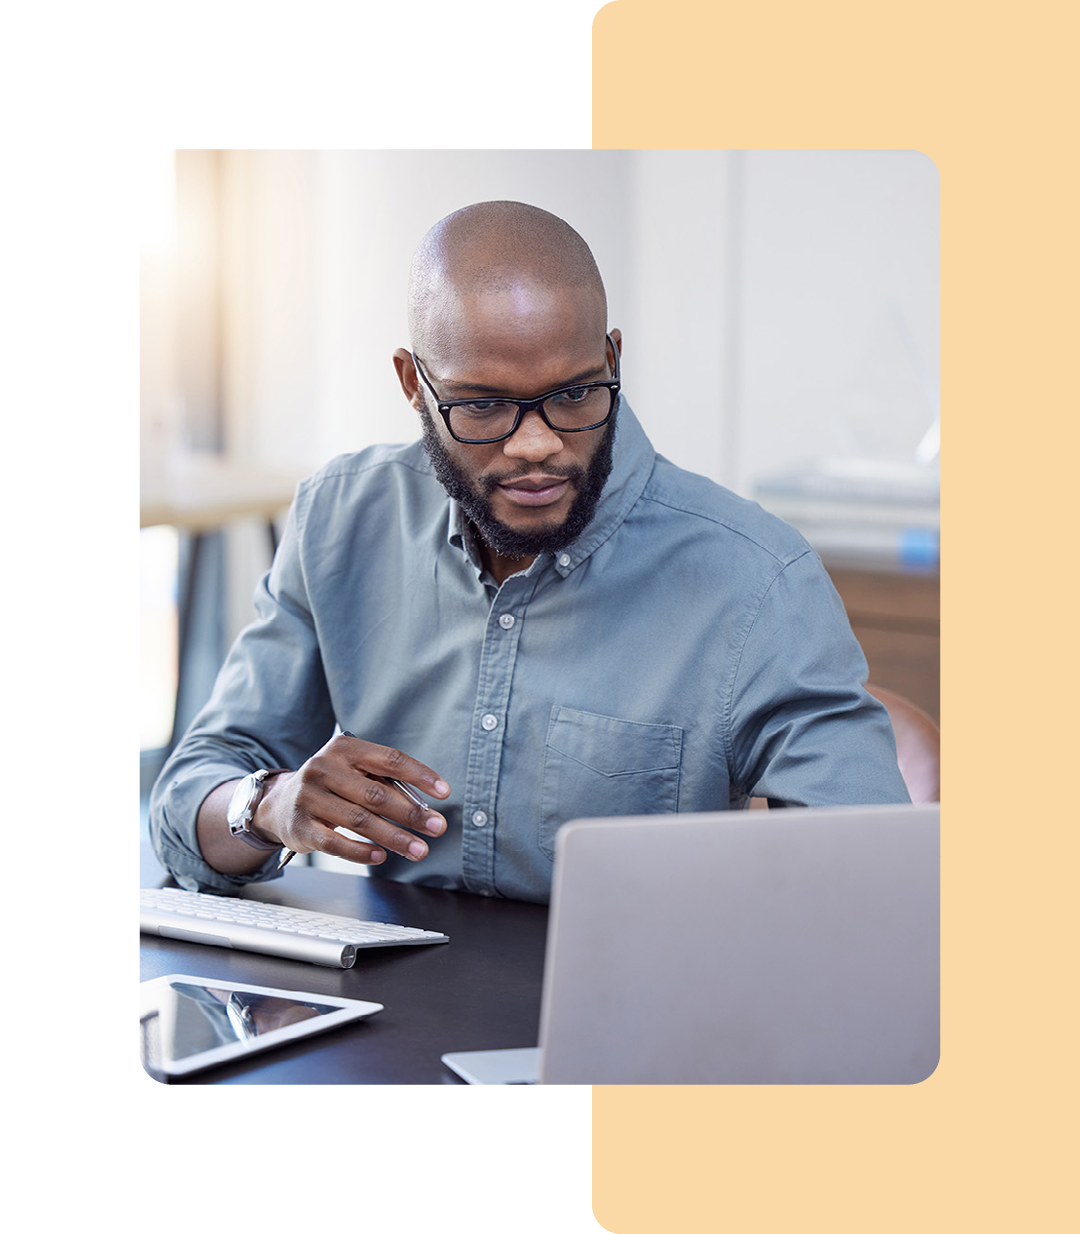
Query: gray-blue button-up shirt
x=687, y=652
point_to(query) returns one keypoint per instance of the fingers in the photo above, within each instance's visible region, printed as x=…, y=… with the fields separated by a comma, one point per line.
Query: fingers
x=347, y=785
x=336, y=844
x=364, y=797
x=372, y=759
x=379, y=812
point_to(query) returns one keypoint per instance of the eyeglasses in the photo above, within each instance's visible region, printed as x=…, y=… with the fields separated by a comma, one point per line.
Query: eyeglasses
x=569, y=409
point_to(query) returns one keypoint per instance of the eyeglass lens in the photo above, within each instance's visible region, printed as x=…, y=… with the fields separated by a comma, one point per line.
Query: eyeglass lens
x=571, y=410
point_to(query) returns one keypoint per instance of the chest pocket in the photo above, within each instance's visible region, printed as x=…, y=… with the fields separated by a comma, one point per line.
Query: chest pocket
x=601, y=767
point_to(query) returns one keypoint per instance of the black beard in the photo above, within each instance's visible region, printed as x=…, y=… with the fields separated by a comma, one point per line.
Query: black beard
x=501, y=539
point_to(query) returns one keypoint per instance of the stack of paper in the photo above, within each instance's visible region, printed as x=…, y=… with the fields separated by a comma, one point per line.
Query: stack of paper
x=860, y=508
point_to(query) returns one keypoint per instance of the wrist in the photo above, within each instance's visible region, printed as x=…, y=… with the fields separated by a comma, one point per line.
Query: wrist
x=246, y=798
x=261, y=825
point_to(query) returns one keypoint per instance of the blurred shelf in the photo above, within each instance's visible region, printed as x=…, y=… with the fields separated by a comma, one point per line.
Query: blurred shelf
x=203, y=493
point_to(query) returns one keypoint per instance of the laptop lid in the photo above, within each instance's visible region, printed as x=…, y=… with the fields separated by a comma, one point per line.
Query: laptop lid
x=796, y=946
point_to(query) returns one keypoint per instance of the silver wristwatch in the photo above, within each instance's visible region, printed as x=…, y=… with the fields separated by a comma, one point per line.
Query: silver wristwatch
x=245, y=801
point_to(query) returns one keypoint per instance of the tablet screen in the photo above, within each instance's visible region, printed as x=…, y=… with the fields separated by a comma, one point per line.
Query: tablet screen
x=189, y=1023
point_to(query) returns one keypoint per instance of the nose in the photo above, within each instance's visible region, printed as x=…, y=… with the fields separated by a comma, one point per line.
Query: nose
x=533, y=440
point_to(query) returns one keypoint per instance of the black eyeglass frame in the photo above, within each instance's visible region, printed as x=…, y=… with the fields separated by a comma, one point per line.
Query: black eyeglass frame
x=445, y=406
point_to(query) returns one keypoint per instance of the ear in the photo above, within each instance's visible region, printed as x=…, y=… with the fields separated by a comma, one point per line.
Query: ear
x=406, y=375
x=616, y=337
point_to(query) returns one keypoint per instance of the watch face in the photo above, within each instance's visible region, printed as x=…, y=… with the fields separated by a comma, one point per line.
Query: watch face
x=241, y=801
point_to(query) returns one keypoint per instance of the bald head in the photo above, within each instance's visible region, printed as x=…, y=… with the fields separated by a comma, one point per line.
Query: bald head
x=495, y=248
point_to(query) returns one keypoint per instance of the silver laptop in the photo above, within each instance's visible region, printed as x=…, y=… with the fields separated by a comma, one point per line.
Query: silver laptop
x=792, y=946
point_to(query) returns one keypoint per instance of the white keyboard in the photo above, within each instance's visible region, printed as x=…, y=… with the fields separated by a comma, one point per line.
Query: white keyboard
x=273, y=929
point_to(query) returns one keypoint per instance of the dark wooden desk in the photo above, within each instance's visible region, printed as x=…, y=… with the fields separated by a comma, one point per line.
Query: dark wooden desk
x=479, y=991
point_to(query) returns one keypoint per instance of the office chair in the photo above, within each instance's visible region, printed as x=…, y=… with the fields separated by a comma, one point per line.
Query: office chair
x=918, y=745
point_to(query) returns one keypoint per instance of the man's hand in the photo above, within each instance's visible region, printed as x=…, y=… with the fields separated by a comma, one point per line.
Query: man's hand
x=343, y=785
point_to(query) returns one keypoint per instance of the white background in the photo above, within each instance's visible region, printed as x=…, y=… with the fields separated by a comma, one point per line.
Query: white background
x=87, y=91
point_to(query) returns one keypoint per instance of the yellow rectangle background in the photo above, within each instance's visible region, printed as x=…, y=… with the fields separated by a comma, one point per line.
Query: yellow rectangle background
x=989, y=93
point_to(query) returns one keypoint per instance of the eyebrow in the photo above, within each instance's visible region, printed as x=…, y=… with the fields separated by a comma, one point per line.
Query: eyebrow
x=582, y=378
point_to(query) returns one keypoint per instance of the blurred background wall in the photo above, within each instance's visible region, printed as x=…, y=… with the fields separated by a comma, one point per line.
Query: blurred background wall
x=775, y=306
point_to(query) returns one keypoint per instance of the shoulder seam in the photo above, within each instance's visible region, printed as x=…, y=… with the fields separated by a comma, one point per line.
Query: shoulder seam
x=753, y=616
x=709, y=517
x=346, y=467
x=351, y=465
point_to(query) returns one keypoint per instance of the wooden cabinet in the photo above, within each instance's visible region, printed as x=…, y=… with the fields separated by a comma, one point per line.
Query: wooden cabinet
x=896, y=618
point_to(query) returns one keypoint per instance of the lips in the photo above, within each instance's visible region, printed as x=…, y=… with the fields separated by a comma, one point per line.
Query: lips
x=534, y=490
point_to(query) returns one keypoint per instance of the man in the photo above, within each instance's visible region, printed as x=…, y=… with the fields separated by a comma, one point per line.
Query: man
x=582, y=629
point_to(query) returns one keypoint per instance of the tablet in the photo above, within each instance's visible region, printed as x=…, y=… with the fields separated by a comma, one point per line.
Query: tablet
x=191, y=1023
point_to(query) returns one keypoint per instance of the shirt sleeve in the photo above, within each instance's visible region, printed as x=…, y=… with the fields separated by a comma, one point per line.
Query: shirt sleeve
x=270, y=707
x=805, y=730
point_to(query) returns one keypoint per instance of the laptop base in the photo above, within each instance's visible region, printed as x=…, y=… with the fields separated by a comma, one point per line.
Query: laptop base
x=496, y=1066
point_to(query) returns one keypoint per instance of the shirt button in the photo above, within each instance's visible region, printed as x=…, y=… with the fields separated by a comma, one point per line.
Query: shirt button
x=564, y=559
x=479, y=818
x=506, y=621
x=489, y=722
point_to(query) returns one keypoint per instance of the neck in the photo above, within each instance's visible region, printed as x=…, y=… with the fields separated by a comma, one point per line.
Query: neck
x=500, y=568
